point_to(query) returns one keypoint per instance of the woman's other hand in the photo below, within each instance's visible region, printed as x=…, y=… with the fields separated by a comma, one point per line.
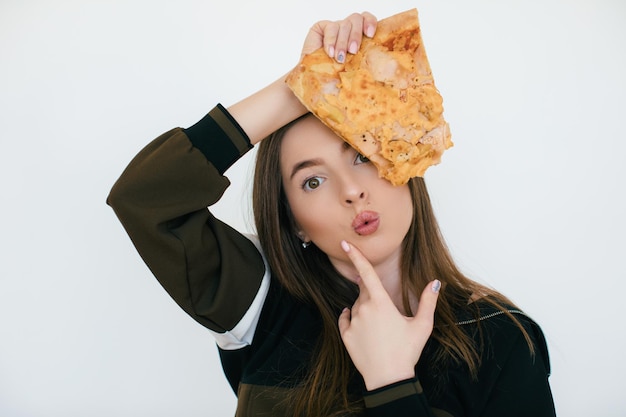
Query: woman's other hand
x=384, y=344
x=341, y=36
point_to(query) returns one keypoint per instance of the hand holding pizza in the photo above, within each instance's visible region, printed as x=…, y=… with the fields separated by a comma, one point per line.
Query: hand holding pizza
x=376, y=92
x=340, y=37
x=384, y=344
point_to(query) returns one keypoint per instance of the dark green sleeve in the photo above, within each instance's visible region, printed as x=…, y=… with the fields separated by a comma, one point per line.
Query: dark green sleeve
x=404, y=398
x=161, y=199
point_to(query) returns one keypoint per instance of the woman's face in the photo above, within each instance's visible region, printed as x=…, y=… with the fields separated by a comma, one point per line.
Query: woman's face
x=335, y=194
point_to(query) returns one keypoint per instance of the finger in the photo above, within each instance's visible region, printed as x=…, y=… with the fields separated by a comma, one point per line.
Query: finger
x=356, y=34
x=330, y=31
x=369, y=24
x=343, y=37
x=368, y=277
x=344, y=321
x=428, y=303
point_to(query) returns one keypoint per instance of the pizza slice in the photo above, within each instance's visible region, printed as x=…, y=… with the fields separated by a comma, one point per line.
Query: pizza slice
x=383, y=100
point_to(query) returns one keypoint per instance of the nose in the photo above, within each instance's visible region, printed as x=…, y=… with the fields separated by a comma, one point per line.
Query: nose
x=353, y=192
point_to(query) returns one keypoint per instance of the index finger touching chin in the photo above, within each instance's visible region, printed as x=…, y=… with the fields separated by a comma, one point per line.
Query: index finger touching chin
x=367, y=275
x=359, y=261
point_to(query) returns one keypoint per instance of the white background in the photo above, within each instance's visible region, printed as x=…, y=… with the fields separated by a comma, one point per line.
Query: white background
x=530, y=199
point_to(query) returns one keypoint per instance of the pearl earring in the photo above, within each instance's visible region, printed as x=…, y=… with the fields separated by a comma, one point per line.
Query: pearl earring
x=305, y=244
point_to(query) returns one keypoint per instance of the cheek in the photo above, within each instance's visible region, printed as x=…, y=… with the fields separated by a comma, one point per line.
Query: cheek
x=299, y=214
x=320, y=220
x=304, y=212
x=400, y=205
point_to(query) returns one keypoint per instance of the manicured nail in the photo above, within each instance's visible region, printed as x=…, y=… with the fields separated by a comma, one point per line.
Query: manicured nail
x=341, y=56
x=436, y=286
x=369, y=32
x=353, y=49
x=345, y=246
x=331, y=51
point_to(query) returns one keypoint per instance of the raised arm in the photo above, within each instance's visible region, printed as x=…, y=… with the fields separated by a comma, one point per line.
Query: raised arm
x=274, y=106
x=213, y=272
x=161, y=199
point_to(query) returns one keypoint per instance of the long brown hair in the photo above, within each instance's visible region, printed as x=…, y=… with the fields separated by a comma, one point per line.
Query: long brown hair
x=303, y=272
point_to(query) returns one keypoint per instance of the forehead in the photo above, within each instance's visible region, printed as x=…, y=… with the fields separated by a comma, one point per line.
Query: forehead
x=308, y=138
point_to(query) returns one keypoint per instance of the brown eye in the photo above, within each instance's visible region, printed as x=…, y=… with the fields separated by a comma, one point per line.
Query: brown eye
x=312, y=183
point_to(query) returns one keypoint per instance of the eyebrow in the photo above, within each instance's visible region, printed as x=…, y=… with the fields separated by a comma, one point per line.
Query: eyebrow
x=314, y=162
x=304, y=164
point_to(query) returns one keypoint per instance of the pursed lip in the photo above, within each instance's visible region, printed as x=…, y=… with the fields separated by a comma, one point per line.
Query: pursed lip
x=366, y=222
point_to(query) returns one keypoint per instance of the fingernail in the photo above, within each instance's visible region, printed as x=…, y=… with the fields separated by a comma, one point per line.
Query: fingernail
x=331, y=51
x=345, y=246
x=436, y=286
x=353, y=49
x=341, y=57
x=369, y=32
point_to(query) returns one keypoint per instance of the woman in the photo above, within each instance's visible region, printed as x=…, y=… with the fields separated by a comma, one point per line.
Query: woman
x=349, y=302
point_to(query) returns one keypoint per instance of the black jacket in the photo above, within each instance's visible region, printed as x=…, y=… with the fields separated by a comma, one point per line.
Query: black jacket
x=219, y=277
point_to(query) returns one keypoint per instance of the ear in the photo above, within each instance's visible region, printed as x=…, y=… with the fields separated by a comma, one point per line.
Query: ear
x=303, y=236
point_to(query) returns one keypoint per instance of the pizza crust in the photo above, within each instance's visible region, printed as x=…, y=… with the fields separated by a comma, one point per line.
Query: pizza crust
x=383, y=100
